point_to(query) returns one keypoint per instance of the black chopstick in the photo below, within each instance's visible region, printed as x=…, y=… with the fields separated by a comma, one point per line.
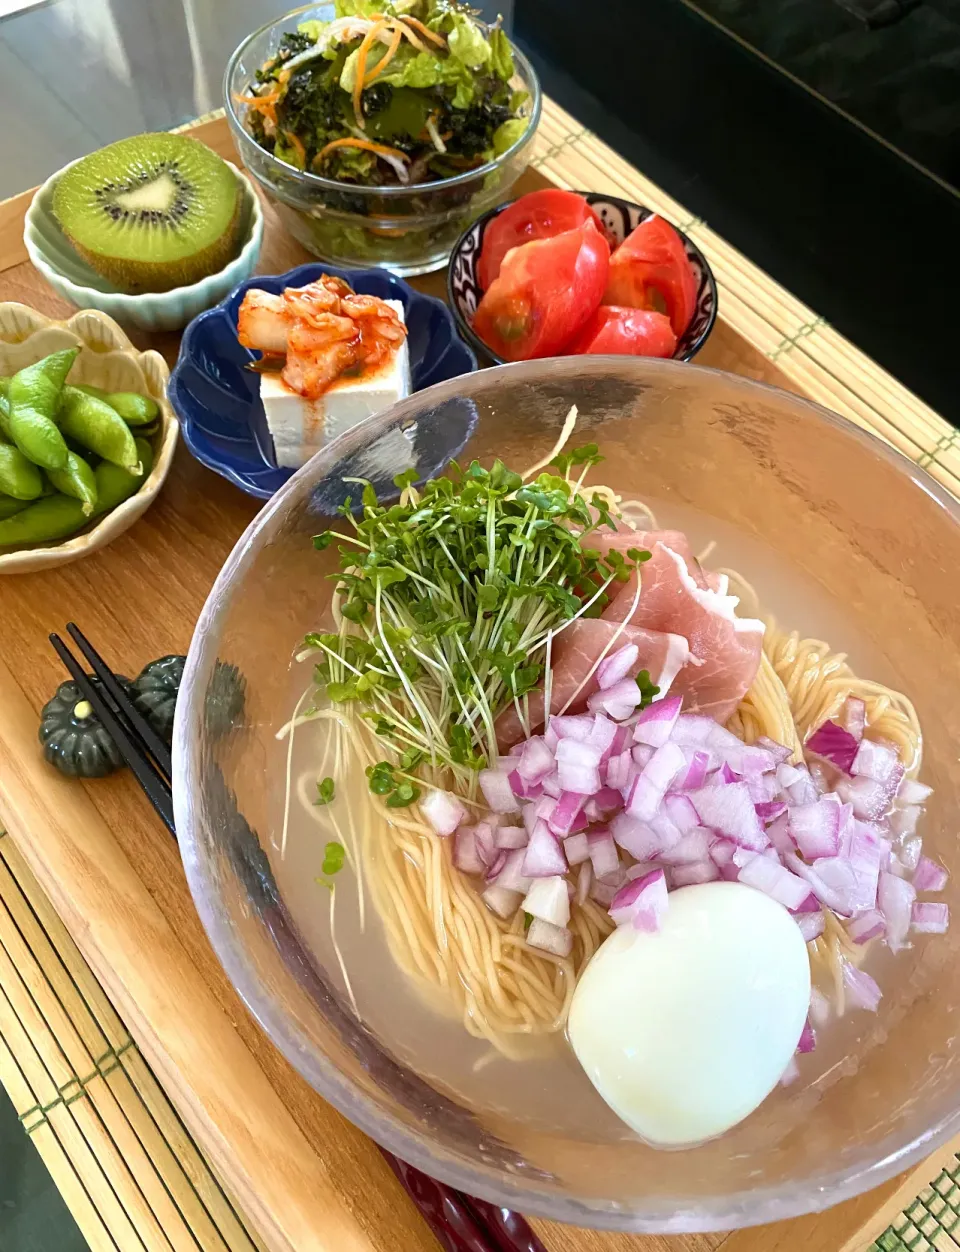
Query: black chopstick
x=151, y=740
x=120, y=721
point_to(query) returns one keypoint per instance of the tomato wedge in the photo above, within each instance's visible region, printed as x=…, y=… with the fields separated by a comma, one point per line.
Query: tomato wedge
x=620, y=331
x=545, y=293
x=537, y=215
x=650, y=270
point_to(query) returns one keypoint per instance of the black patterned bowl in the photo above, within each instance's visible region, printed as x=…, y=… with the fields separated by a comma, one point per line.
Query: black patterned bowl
x=619, y=217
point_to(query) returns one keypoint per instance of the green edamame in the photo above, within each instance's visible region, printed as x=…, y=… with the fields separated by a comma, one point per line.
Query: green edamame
x=34, y=395
x=5, y=410
x=135, y=409
x=19, y=477
x=57, y=517
x=76, y=479
x=93, y=424
x=9, y=506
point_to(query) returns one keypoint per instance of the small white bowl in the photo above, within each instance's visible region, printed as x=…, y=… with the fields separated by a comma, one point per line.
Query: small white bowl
x=71, y=277
x=109, y=360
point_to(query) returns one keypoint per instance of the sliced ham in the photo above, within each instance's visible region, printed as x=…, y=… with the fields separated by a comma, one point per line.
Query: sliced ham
x=726, y=649
x=623, y=594
x=576, y=650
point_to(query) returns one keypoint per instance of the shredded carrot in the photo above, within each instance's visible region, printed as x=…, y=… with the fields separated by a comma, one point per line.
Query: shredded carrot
x=414, y=39
x=265, y=104
x=429, y=34
x=365, y=46
x=388, y=56
x=367, y=144
x=297, y=146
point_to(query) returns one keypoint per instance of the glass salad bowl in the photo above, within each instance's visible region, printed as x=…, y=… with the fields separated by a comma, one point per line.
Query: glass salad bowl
x=845, y=540
x=409, y=230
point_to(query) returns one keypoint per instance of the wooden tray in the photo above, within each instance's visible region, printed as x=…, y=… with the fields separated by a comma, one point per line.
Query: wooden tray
x=302, y=1177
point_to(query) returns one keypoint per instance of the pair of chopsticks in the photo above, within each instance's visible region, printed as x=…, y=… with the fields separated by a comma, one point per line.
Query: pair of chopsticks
x=460, y=1222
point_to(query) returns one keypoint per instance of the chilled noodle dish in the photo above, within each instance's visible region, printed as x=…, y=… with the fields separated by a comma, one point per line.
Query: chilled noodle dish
x=578, y=761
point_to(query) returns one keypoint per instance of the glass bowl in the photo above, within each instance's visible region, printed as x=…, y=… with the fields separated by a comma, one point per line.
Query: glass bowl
x=846, y=540
x=409, y=230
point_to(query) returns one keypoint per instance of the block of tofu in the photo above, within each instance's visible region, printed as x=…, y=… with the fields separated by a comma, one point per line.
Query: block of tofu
x=299, y=427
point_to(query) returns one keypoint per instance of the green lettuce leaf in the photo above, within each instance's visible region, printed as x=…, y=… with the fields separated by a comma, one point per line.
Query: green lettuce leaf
x=466, y=42
x=506, y=136
x=419, y=70
x=356, y=8
x=312, y=28
x=501, y=58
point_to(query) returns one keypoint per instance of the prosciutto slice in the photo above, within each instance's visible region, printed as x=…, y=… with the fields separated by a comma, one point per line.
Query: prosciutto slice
x=576, y=650
x=676, y=598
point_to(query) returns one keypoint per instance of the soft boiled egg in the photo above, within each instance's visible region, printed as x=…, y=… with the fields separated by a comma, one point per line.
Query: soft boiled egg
x=685, y=1031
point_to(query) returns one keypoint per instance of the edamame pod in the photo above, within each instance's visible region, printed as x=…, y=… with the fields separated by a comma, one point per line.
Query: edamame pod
x=34, y=396
x=59, y=516
x=76, y=479
x=19, y=477
x=93, y=424
x=5, y=410
x=9, y=506
x=135, y=409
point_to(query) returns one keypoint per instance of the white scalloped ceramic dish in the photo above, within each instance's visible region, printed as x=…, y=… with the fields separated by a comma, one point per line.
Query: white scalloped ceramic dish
x=71, y=277
x=107, y=359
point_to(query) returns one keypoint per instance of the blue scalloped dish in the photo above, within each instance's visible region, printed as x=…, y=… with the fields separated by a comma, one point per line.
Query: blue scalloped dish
x=218, y=399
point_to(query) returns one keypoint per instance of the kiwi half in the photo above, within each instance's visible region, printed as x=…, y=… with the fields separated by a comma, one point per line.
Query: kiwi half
x=151, y=212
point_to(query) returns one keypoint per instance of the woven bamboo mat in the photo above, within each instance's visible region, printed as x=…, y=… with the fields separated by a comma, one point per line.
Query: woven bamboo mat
x=113, y=1143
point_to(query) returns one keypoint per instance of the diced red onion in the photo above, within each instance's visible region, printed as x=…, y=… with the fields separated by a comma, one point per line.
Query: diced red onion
x=870, y=799
x=815, y=828
x=929, y=875
x=763, y=789
x=788, y=774
x=497, y=863
x=619, y=701
x=691, y=875
x=656, y=722
x=696, y=774
x=862, y=991
x=608, y=800
x=642, y=902
x=576, y=849
x=548, y=900
x=867, y=926
x=551, y=785
x=895, y=897
x=770, y=810
x=578, y=766
x=641, y=754
x=617, y=666
x=443, y=811
x=549, y=938
x=512, y=877
x=603, y=852
x=465, y=854
x=691, y=847
x=603, y=735
x=903, y=821
x=853, y=717
x=775, y=881
x=779, y=751
x=577, y=726
x=811, y=925
x=618, y=770
x=635, y=837
x=510, y=837
x=909, y=854
x=913, y=792
x=722, y=851
x=497, y=791
x=834, y=744
x=567, y=817
x=727, y=775
x=536, y=760
x=602, y=892
x=651, y=784
x=501, y=901
x=543, y=855
x=804, y=790
x=878, y=761
x=808, y=1040
x=729, y=811
x=930, y=918
x=520, y=787
x=486, y=841
x=835, y=888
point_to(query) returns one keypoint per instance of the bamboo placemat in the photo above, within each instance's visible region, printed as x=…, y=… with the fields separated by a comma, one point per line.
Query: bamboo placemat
x=128, y=1169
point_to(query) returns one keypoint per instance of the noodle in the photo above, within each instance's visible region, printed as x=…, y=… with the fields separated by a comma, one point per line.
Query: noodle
x=445, y=939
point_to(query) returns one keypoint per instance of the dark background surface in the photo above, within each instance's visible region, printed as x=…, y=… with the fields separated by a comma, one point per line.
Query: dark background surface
x=849, y=224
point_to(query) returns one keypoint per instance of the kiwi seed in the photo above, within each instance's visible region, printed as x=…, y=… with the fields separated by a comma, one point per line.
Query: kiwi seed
x=151, y=212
